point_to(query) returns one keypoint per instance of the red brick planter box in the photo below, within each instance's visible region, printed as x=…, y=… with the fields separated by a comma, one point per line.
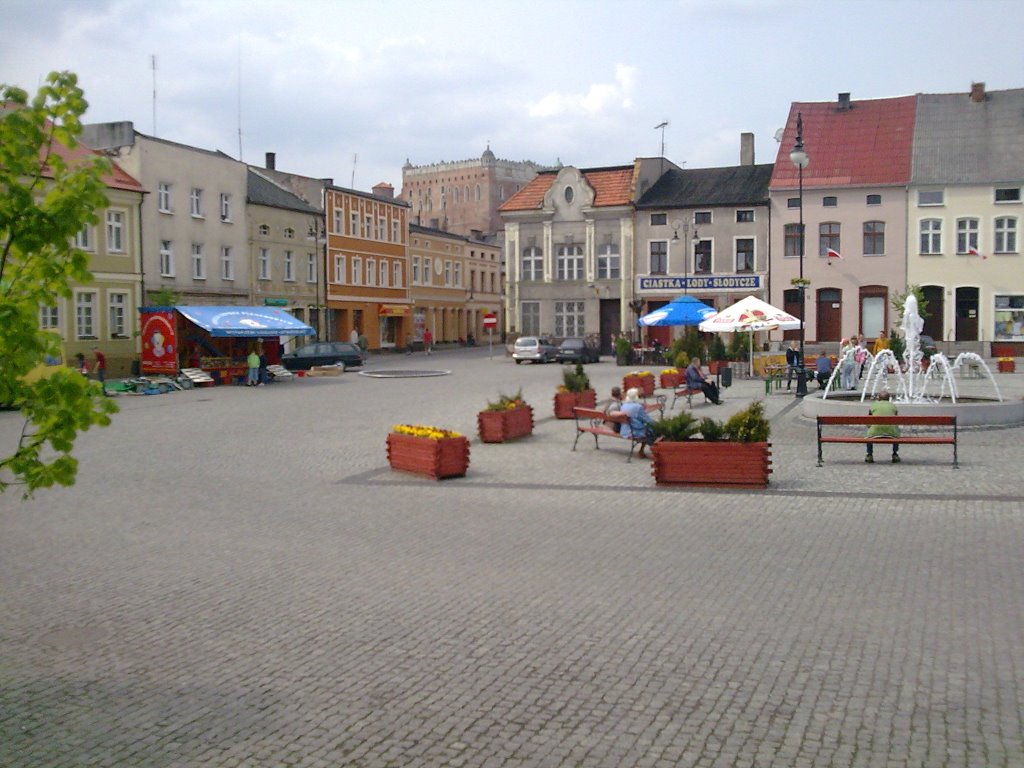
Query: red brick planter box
x=645, y=384
x=712, y=464
x=1006, y=366
x=672, y=380
x=499, y=426
x=436, y=459
x=566, y=401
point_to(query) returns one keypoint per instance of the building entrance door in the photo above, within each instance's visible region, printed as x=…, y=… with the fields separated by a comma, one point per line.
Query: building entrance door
x=966, y=314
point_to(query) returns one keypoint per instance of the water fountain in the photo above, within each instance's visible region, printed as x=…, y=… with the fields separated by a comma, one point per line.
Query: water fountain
x=922, y=385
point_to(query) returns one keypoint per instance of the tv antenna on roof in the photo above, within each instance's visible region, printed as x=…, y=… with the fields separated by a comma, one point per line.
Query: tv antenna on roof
x=662, y=125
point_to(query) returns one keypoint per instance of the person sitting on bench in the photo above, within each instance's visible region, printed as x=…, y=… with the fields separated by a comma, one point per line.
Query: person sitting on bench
x=640, y=421
x=695, y=380
x=883, y=407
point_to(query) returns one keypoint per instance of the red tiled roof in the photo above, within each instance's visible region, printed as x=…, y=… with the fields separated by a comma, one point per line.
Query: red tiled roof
x=116, y=179
x=871, y=143
x=612, y=186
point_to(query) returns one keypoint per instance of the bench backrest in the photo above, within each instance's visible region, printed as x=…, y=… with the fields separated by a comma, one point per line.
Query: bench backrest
x=598, y=414
x=934, y=421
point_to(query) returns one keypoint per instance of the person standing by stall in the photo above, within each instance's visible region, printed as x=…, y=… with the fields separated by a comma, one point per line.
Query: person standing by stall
x=253, y=364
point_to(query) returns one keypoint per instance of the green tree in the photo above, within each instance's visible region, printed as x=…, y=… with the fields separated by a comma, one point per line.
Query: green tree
x=45, y=199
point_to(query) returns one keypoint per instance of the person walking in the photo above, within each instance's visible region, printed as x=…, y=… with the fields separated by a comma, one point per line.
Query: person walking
x=428, y=340
x=793, y=362
x=99, y=367
x=883, y=407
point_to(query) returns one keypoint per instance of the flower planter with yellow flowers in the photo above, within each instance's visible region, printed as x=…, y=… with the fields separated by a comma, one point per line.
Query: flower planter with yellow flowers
x=671, y=378
x=428, y=451
x=1006, y=365
x=508, y=418
x=642, y=381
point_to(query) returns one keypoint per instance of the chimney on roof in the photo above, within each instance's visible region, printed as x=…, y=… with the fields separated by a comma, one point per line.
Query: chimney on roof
x=977, y=92
x=746, y=148
x=383, y=189
x=271, y=161
x=844, y=102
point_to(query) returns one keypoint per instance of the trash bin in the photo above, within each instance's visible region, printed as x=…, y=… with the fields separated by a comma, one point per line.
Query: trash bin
x=725, y=373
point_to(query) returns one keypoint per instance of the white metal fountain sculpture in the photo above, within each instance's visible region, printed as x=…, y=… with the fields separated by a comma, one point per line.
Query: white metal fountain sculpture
x=908, y=379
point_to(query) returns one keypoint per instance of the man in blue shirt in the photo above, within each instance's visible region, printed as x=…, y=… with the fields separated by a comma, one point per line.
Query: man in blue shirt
x=823, y=369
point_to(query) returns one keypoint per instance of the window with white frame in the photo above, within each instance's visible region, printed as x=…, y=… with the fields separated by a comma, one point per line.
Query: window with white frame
x=448, y=273
x=115, y=232
x=382, y=228
x=927, y=197
x=533, y=264
x=337, y=221
x=166, y=259
x=828, y=237
x=353, y=224
x=659, y=219
x=85, y=315
x=1006, y=234
x=225, y=206
x=702, y=257
x=569, y=262
x=415, y=270
x=340, y=275
x=702, y=217
x=744, y=216
x=529, y=314
x=289, y=267
x=117, y=309
x=966, y=235
x=931, y=237
x=394, y=231
x=371, y=271
x=428, y=270
x=397, y=275
x=196, y=202
x=384, y=272
x=264, y=230
x=198, y=262
x=227, y=263
x=357, y=270
x=658, y=261
x=83, y=238
x=163, y=197
x=458, y=274
x=49, y=317
x=263, y=264
x=608, y=261
x=874, y=238
x=368, y=226
x=744, y=254
x=289, y=233
x=1008, y=194
x=310, y=267
x=569, y=318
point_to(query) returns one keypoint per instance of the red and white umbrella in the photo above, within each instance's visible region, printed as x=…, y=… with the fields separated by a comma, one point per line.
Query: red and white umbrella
x=750, y=314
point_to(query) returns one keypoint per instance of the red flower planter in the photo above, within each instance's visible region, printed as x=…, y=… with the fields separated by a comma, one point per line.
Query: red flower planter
x=566, y=401
x=671, y=380
x=1006, y=366
x=712, y=464
x=436, y=459
x=644, y=384
x=499, y=426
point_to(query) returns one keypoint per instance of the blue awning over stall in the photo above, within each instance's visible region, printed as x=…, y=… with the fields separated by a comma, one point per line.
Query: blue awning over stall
x=246, y=321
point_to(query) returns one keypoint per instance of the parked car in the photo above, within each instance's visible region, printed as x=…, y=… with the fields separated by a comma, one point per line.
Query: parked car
x=324, y=353
x=577, y=349
x=534, y=349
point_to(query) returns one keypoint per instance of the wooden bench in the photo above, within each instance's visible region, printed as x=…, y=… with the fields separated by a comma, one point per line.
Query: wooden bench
x=594, y=421
x=688, y=394
x=900, y=421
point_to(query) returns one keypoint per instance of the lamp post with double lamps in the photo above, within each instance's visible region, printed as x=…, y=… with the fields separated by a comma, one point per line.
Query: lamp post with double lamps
x=800, y=160
x=676, y=225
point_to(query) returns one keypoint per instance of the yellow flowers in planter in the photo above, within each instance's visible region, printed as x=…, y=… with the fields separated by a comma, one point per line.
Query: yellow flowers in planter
x=419, y=430
x=670, y=371
x=645, y=373
x=1004, y=360
x=506, y=402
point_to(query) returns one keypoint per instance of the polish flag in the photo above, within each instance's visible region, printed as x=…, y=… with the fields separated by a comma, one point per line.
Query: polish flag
x=974, y=252
x=832, y=253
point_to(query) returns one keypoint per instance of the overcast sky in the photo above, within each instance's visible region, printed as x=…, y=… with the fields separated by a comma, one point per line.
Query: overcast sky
x=321, y=82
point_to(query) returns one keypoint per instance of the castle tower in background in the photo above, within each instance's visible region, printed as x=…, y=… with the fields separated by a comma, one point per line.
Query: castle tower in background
x=463, y=196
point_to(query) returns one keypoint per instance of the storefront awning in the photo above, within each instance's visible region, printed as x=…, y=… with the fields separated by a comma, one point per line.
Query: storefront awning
x=246, y=321
x=393, y=310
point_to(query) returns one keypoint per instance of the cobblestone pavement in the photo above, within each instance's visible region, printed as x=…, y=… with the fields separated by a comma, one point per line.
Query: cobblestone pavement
x=238, y=580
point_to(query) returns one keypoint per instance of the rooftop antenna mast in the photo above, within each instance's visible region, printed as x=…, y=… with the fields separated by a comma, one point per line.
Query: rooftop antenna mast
x=152, y=64
x=355, y=159
x=240, y=100
x=662, y=125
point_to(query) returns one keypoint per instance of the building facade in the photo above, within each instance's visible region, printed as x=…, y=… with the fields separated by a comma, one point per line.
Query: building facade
x=195, y=241
x=367, y=267
x=285, y=257
x=854, y=211
x=464, y=196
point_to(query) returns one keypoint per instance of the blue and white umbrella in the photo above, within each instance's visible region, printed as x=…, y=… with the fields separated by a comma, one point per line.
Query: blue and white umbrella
x=683, y=310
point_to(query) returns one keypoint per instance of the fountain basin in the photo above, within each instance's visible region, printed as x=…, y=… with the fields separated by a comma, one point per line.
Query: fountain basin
x=969, y=411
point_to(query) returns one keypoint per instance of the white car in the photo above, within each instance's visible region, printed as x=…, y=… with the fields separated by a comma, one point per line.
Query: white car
x=534, y=349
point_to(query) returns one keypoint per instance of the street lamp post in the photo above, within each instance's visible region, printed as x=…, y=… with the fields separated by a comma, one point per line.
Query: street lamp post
x=685, y=226
x=800, y=159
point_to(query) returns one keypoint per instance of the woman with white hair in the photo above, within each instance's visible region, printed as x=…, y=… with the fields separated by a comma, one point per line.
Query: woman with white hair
x=639, y=426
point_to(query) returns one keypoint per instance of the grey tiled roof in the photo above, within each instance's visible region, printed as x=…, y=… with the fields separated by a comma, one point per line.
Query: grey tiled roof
x=262, y=191
x=958, y=141
x=734, y=185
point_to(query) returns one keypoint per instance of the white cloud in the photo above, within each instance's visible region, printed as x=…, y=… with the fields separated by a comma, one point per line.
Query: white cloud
x=600, y=97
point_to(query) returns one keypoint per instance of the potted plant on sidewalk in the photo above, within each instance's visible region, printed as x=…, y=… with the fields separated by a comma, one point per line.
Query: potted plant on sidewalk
x=623, y=351
x=642, y=381
x=430, y=451
x=574, y=391
x=735, y=454
x=504, y=419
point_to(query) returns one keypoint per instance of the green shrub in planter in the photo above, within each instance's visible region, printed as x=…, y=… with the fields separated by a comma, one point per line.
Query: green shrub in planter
x=749, y=425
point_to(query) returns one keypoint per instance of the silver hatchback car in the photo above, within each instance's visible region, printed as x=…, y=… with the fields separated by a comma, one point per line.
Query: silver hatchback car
x=534, y=349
